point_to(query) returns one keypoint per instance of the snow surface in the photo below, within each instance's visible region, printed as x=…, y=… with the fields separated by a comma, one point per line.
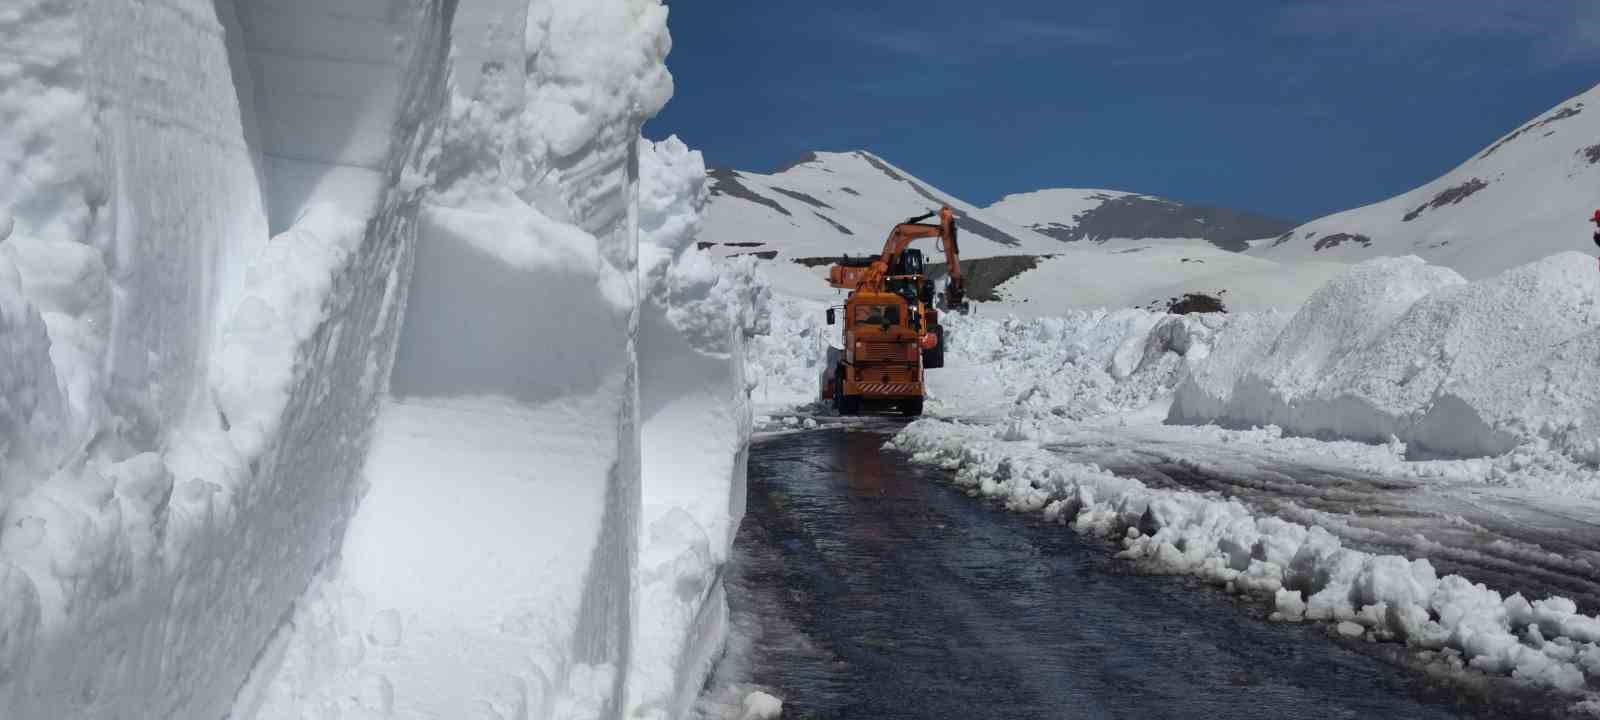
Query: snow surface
x=1052, y=206
x=1527, y=196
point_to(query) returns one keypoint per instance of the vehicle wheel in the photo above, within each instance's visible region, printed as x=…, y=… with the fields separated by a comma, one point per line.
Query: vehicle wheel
x=842, y=404
x=912, y=408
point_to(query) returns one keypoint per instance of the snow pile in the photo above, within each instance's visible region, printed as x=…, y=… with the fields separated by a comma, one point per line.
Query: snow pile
x=195, y=398
x=1085, y=364
x=1237, y=343
x=1306, y=572
x=696, y=317
x=786, y=362
x=1398, y=348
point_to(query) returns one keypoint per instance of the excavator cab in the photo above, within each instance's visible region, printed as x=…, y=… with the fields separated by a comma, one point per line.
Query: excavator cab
x=910, y=263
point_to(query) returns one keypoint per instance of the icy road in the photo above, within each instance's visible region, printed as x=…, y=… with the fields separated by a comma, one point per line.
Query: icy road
x=864, y=586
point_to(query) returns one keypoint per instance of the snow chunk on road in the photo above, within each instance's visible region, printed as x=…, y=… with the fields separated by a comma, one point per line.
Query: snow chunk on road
x=761, y=706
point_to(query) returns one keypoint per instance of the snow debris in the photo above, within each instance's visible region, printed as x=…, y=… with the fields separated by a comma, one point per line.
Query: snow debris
x=761, y=706
x=786, y=362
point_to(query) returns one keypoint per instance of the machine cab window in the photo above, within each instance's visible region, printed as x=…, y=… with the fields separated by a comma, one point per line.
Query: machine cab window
x=877, y=315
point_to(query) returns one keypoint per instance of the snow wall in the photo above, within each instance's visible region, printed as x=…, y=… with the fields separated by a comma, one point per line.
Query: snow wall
x=209, y=214
x=697, y=316
x=191, y=393
x=1398, y=349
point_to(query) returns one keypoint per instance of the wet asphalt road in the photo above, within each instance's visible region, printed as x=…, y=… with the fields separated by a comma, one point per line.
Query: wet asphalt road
x=871, y=588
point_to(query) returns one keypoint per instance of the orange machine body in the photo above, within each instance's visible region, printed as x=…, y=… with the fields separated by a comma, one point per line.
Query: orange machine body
x=891, y=329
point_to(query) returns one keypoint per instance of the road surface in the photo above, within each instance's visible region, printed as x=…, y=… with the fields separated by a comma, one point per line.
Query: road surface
x=866, y=587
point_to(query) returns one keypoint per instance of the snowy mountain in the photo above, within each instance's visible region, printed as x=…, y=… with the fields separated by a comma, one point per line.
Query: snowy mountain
x=1527, y=196
x=1022, y=253
x=833, y=203
x=1101, y=216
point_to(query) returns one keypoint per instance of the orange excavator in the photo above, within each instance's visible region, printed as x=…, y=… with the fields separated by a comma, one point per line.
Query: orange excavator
x=891, y=325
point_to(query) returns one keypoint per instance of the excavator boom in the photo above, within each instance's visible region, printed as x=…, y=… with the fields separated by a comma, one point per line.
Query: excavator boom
x=864, y=273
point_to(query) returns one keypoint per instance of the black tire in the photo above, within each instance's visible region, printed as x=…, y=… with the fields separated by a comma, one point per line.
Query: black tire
x=912, y=408
x=841, y=404
x=934, y=359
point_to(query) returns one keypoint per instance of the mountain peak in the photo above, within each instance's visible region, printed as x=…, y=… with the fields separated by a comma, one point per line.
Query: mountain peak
x=1527, y=195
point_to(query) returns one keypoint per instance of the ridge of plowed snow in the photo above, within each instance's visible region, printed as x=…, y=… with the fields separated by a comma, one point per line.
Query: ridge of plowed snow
x=1396, y=348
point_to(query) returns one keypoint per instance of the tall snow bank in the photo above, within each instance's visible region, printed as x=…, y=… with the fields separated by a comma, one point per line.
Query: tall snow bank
x=507, y=470
x=1396, y=348
x=696, y=316
x=197, y=397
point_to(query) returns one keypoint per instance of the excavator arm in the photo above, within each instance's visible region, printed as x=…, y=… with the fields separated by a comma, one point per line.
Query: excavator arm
x=859, y=274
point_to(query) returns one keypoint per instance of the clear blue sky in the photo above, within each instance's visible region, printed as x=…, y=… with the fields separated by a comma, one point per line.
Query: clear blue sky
x=1294, y=108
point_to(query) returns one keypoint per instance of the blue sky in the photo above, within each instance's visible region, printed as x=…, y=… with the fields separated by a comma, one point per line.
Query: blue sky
x=1294, y=108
